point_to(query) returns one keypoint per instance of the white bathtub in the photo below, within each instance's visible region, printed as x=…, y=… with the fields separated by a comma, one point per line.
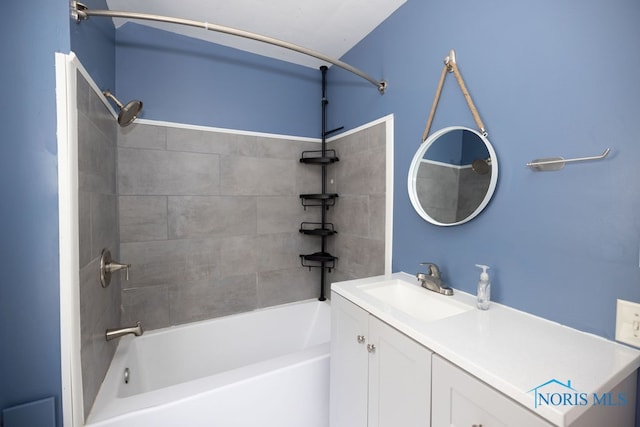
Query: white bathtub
x=266, y=368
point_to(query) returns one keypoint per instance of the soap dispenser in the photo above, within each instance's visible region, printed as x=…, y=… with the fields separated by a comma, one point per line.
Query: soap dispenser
x=484, y=289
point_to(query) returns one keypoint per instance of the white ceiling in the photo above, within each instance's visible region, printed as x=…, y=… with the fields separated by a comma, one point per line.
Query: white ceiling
x=331, y=27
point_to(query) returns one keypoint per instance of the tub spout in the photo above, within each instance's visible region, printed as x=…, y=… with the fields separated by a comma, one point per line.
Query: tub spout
x=118, y=332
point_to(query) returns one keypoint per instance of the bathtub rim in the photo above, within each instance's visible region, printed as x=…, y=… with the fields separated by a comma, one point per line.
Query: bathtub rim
x=109, y=405
x=196, y=323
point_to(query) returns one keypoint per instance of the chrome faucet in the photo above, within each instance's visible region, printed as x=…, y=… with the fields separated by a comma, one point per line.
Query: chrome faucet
x=431, y=280
x=118, y=332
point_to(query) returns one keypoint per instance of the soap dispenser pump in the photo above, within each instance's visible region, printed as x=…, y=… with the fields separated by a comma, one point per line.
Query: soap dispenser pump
x=484, y=288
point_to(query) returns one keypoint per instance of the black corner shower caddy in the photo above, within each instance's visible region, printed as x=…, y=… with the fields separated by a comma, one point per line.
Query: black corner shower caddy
x=323, y=158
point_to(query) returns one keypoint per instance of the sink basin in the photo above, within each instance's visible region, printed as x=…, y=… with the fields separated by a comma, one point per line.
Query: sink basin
x=414, y=300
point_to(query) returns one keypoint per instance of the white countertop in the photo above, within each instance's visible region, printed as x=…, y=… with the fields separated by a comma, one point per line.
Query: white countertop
x=510, y=350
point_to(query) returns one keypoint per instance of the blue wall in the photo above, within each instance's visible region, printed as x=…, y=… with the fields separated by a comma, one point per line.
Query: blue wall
x=186, y=80
x=29, y=288
x=93, y=41
x=548, y=78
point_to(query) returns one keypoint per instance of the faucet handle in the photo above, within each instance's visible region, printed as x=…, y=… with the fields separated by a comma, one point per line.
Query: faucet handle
x=433, y=269
x=108, y=266
x=115, y=266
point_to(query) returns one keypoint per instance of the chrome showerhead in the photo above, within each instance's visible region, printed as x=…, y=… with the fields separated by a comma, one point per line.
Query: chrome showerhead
x=129, y=112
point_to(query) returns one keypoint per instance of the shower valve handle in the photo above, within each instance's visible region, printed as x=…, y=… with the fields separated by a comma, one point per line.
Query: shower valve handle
x=108, y=266
x=115, y=266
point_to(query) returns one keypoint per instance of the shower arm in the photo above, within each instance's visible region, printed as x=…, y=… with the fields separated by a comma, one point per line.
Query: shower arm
x=80, y=12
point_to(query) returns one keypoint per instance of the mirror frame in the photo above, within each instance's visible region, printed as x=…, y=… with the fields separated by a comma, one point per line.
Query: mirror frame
x=415, y=164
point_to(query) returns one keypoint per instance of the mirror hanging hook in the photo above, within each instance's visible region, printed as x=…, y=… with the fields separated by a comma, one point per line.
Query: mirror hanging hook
x=450, y=60
x=451, y=67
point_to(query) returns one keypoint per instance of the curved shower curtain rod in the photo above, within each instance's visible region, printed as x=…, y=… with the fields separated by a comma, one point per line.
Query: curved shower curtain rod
x=80, y=12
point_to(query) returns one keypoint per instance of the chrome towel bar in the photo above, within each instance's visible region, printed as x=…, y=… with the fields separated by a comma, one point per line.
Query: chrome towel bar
x=557, y=163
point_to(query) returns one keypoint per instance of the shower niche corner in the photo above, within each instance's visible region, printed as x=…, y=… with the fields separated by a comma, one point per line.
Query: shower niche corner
x=323, y=229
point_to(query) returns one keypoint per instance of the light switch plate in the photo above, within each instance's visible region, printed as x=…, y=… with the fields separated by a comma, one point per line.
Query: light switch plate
x=628, y=322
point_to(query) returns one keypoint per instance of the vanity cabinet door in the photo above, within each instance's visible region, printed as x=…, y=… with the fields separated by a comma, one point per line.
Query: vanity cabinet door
x=459, y=399
x=349, y=364
x=399, y=379
x=379, y=376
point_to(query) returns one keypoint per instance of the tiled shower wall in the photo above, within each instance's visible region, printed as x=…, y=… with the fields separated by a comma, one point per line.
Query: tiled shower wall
x=359, y=178
x=209, y=221
x=98, y=229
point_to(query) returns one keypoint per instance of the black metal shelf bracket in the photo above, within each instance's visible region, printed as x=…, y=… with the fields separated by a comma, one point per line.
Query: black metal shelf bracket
x=319, y=157
x=324, y=200
x=317, y=228
x=323, y=260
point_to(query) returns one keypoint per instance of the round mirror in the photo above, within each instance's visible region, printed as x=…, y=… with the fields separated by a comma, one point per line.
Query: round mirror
x=453, y=176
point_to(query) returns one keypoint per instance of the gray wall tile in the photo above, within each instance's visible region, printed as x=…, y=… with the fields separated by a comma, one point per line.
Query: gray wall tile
x=360, y=179
x=104, y=224
x=98, y=228
x=211, y=216
x=149, y=305
x=99, y=307
x=239, y=255
x=153, y=172
x=377, y=216
x=83, y=94
x=96, y=158
x=95, y=357
x=308, y=179
x=143, y=136
x=371, y=138
x=202, y=141
x=233, y=144
x=282, y=214
x=337, y=275
x=282, y=251
x=287, y=285
x=234, y=247
x=84, y=227
x=252, y=176
x=143, y=218
x=360, y=173
x=192, y=301
x=92, y=107
x=359, y=256
x=167, y=262
x=351, y=215
x=279, y=148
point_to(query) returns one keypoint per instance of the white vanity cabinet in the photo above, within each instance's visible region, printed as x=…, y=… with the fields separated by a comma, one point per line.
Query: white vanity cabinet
x=403, y=356
x=459, y=399
x=379, y=376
